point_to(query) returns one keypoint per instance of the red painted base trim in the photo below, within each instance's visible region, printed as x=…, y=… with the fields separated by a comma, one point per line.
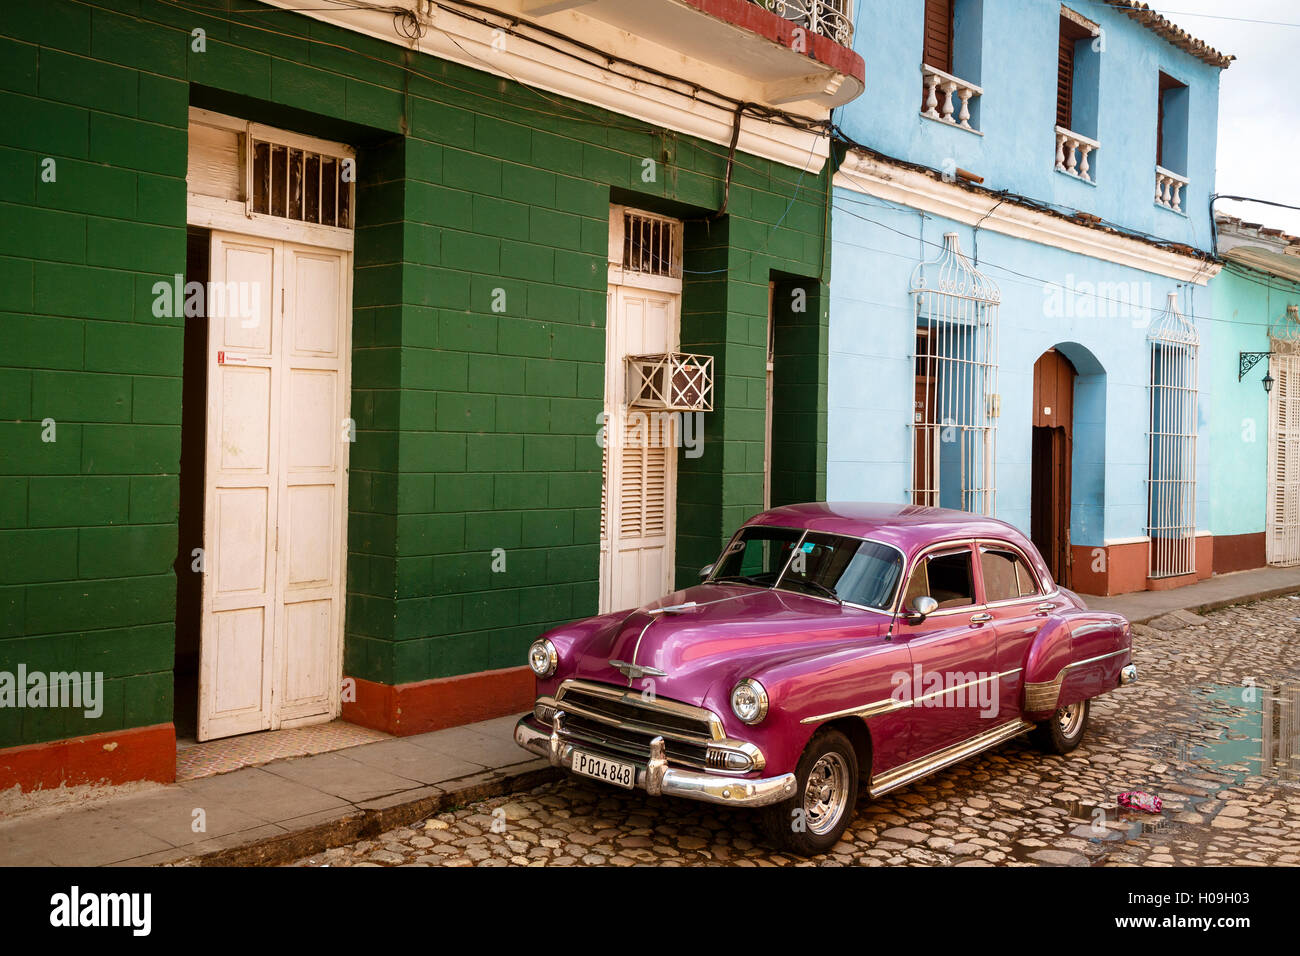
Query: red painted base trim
x=1169, y=583
x=1122, y=568
x=120, y=756
x=1239, y=552
x=417, y=708
x=1110, y=570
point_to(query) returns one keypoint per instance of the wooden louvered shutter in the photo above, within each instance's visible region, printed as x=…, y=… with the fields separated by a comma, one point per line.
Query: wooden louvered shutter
x=643, y=484
x=1065, y=76
x=1071, y=34
x=937, y=51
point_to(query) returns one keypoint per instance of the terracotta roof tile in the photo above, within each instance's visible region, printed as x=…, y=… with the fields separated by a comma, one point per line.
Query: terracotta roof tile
x=1176, y=35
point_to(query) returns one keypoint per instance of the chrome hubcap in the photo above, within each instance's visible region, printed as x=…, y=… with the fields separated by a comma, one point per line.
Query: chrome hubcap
x=826, y=793
x=1070, y=719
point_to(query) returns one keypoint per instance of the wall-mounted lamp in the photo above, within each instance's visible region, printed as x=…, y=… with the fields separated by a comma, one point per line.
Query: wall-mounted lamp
x=1248, y=360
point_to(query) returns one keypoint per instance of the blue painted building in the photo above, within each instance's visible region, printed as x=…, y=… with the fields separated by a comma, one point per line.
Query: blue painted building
x=1020, y=321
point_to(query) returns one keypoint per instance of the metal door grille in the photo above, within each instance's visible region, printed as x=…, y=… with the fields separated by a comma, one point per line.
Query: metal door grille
x=652, y=245
x=954, y=422
x=300, y=184
x=1171, y=479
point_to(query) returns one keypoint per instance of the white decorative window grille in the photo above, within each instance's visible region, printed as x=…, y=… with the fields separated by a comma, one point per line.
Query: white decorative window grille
x=1283, y=519
x=301, y=184
x=1171, y=482
x=652, y=245
x=954, y=419
x=672, y=381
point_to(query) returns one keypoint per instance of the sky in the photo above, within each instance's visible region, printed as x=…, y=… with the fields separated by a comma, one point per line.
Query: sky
x=1259, y=113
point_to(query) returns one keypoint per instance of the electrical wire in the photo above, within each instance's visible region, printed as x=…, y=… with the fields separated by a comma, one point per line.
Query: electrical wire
x=571, y=111
x=1033, y=281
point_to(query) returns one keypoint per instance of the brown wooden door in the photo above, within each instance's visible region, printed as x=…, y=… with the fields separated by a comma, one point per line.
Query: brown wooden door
x=925, y=448
x=1053, y=442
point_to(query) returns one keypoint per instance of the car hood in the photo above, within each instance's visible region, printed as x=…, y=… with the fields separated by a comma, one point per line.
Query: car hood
x=713, y=635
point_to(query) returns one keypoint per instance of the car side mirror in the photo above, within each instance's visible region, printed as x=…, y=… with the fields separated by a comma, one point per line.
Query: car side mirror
x=922, y=607
x=705, y=572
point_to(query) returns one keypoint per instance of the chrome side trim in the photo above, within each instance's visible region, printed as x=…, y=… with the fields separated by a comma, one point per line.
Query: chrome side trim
x=1043, y=695
x=874, y=709
x=914, y=770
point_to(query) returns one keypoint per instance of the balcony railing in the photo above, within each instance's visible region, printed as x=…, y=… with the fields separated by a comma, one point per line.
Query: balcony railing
x=942, y=93
x=1072, y=151
x=1169, y=188
x=832, y=19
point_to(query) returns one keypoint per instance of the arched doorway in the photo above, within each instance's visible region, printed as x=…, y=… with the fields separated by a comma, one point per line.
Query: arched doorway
x=1053, y=446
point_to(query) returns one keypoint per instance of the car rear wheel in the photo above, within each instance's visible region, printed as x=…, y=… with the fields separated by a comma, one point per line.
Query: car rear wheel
x=1064, y=730
x=814, y=819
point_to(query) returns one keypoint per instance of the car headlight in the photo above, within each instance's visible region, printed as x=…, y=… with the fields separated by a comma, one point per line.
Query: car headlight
x=749, y=701
x=542, y=658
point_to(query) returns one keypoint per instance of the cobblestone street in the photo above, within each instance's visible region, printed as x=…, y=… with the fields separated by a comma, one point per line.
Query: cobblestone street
x=1188, y=731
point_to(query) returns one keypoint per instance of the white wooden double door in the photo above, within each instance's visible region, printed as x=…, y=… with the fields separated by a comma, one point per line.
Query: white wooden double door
x=275, y=506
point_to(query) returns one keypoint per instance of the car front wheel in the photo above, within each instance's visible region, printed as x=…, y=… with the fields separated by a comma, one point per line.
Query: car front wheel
x=1063, y=731
x=813, y=820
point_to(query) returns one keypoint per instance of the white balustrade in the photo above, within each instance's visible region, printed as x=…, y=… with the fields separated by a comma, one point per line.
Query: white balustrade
x=946, y=95
x=1169, y=189
x=1072, y=152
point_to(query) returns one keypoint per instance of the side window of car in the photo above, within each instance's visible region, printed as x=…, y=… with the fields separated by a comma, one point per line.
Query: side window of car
x=918, y=585
x=1006, y=576
x=950, y=581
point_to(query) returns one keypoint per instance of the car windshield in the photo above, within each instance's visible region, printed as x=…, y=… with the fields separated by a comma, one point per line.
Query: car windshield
x=756, y=556
x=865, y=573
x=851, y=570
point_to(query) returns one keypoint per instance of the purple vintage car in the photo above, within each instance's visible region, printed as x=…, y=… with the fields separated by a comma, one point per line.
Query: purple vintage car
x=830, y=647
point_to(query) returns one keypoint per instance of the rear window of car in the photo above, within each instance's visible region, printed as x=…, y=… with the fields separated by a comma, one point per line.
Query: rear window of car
x=1006, y=576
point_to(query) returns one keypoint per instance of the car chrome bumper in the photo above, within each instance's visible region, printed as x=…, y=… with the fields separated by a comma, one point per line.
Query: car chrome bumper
x=658, y=778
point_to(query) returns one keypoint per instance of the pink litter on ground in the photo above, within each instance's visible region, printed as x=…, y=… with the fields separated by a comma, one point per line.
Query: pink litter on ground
x=1140, y=800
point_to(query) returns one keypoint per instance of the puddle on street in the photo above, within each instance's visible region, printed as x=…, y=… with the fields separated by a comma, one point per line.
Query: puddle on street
x=1233, y=732
x=1259, y=731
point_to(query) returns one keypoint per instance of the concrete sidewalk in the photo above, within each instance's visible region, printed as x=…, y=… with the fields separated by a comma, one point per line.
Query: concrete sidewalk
x=294, y=807
x=1218, y=591
x=284, y=809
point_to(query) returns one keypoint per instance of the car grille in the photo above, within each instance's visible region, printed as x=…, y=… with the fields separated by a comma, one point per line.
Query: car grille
x=619, y=723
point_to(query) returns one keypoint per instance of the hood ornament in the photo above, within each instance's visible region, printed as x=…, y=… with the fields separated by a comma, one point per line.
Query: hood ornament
x=634, y=671
x=673, y=608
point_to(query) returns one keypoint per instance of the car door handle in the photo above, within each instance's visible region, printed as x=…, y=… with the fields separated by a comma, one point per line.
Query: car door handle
x=980, y=618
x=1045, y=607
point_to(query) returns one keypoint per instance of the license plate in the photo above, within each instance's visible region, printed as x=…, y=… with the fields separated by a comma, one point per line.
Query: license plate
x=610, y=771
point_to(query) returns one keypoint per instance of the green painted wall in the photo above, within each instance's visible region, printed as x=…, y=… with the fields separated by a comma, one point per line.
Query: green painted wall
x=476, y=427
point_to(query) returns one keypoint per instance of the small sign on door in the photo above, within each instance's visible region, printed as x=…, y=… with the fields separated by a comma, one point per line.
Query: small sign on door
x=227, y=358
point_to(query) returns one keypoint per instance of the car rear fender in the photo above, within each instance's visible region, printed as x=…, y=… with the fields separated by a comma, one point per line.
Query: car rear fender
x=1074, y=657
